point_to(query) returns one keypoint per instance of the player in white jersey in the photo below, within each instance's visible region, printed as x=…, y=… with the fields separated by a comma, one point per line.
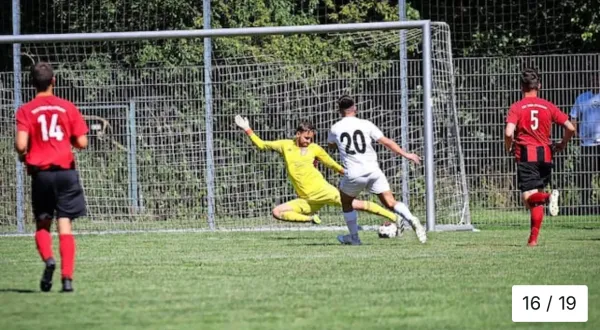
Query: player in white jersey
x=353, y=137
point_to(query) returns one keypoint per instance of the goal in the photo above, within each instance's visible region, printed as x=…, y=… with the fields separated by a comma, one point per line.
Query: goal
x=164, y=151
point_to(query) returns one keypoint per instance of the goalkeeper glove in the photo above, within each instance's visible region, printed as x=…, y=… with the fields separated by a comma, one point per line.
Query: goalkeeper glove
x=242, y=122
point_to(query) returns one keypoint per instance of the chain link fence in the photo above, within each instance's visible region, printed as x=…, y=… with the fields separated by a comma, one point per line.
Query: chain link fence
x=168, y=122
x=486, y=87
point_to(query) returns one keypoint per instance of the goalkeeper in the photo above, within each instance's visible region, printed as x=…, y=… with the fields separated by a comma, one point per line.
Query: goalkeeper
x=314, y=192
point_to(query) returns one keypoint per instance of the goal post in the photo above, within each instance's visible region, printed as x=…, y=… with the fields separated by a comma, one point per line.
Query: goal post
x=175, y=132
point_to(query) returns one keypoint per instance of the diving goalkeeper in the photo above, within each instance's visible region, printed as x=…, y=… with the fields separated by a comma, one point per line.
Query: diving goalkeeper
x=314, y=192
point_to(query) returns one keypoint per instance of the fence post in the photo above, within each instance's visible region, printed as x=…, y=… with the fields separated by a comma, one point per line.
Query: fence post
x=210, y=168
x=132, y=159
x=403, y=103
x=428, y=109
x=16, y=20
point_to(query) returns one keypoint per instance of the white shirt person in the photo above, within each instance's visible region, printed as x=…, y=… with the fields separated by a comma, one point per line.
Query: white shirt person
x=354, y=139
x=586, y=114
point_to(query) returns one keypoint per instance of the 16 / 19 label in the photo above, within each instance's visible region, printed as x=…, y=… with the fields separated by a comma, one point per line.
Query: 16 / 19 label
x=549, y=303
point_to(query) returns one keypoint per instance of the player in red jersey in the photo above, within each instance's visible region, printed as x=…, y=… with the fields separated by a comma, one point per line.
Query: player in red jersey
x=47, y=127
x=527, y=135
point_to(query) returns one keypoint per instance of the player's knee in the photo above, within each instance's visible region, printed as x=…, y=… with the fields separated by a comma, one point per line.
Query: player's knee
x=44, y=223
x=64, y=226
x=526, y=195
x=387, y=199
x=389, y=202
x=347, y=205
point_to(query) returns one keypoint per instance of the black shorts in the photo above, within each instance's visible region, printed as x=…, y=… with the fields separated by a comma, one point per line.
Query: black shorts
x=533, y=175
x=57, y=194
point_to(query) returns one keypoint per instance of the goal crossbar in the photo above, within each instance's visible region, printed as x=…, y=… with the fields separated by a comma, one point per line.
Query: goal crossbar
x=213, y=33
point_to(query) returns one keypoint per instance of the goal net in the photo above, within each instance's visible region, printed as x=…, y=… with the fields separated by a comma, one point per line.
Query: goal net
x=145, y=103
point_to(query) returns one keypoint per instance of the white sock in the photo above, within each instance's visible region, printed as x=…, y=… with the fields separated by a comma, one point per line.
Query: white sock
x=403, y=210
x=352, y=221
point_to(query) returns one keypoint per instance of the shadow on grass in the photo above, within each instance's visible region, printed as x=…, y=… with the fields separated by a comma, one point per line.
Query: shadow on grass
x=300, y=239
x=290, y=238
x=487, y=244
x=316, y=244
x=584, y=239
x=17, y=290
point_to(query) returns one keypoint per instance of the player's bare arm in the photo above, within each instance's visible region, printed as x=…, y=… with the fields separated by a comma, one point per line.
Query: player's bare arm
x=79, y=130
x=22, y=136
x=393, y=146
x=574, y=122
x=569, y=131
x=509, y=133
x=80, y=142
x=21, y=144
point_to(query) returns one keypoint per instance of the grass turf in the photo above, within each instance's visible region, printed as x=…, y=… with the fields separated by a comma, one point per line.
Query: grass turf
x=481, y=218
x=296, y=280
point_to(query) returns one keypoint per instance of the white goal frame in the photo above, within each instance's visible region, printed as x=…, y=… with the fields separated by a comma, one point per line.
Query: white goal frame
x=424, y=25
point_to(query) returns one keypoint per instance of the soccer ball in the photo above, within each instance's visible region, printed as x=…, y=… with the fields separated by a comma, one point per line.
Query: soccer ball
x=388, y=230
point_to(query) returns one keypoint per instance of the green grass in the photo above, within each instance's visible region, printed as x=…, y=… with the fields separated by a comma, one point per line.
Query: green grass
x=296, y=280
x=502, y=218
x=485, y=218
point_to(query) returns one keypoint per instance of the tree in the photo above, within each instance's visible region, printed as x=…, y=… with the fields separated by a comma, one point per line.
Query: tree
x=517, y=27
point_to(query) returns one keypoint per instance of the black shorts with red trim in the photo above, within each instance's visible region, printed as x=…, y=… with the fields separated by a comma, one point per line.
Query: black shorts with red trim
x=57, y=193
x=533, y=175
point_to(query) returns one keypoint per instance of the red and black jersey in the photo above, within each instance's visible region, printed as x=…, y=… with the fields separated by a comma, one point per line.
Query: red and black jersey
x=51, y=122
x=533, y=117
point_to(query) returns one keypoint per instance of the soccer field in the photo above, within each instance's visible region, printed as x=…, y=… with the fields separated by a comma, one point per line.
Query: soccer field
x=296, y=280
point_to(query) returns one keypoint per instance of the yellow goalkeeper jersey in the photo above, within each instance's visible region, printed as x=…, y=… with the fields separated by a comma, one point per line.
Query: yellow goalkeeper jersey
x=305, y=177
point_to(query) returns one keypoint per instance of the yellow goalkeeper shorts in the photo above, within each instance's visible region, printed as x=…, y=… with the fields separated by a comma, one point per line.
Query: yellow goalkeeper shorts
x=312, y=204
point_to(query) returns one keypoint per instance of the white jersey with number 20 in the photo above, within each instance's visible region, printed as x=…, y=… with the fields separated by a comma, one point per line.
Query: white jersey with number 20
x=354, y=138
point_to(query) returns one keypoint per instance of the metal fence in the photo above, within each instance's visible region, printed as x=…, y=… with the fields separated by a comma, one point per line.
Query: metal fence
x=161, y=111
x=486, y=87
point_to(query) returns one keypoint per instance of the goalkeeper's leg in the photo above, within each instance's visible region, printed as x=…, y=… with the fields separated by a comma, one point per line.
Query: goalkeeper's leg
x=334, y=198
x=297, y=210
x=374, y=208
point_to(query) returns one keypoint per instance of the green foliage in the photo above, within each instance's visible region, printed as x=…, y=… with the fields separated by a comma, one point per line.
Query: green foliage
x=369, y=11
x=494, y=27
x=119, y=15
x=587, y=18
x=524, y=27
x=313, y=48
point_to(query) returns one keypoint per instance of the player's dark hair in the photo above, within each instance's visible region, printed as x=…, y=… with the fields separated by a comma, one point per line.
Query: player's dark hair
x=530, y=79
x=305, y=126
x=41, y=76
x=345, y=102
